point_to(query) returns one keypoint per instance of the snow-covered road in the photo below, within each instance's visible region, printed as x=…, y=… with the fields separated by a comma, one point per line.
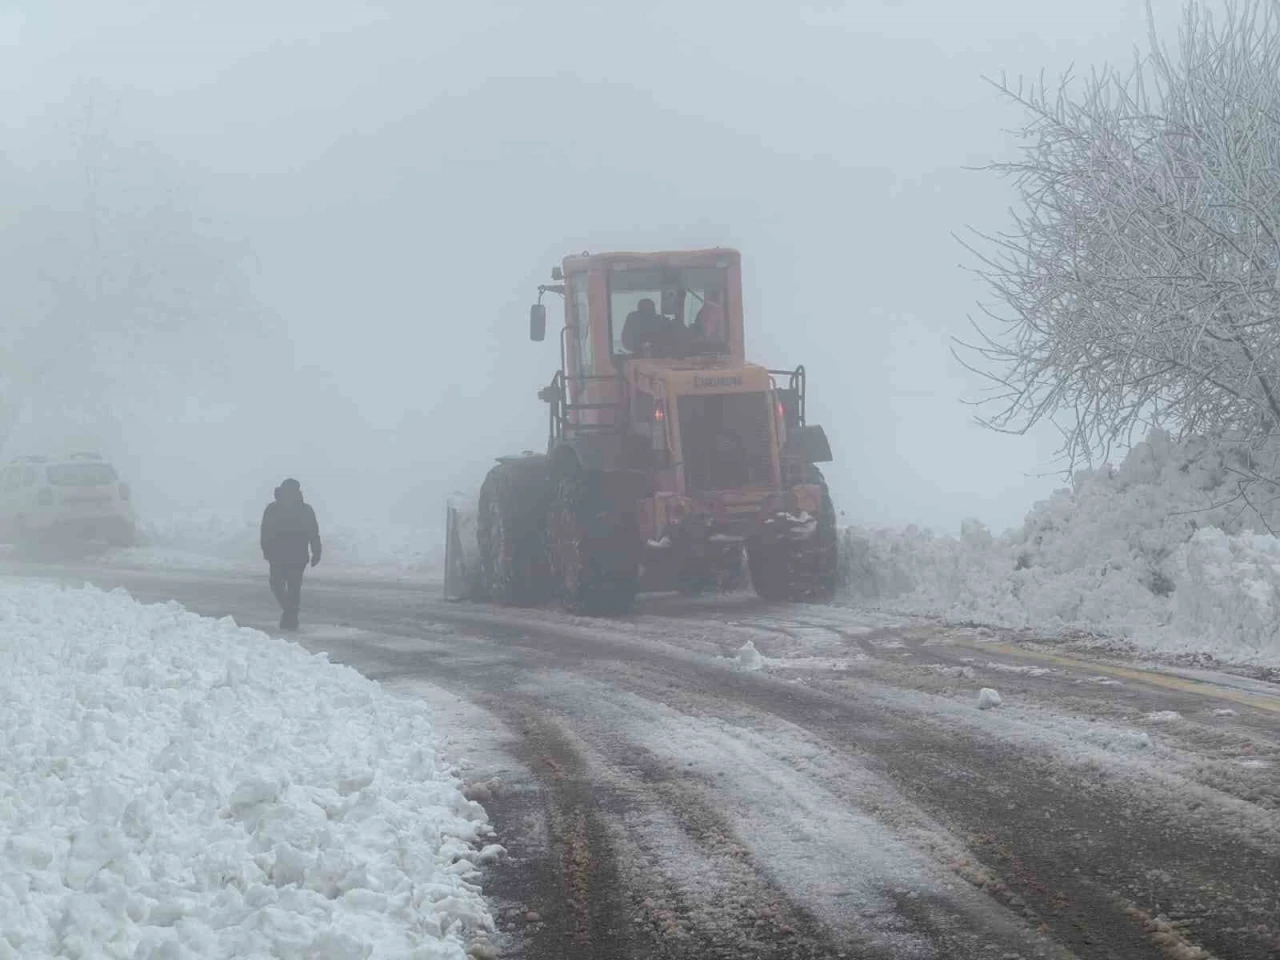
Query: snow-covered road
x=724, y=778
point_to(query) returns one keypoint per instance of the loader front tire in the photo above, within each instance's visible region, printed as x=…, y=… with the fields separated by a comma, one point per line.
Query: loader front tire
x=512, y=533
x=799, y=570
x=595, y=555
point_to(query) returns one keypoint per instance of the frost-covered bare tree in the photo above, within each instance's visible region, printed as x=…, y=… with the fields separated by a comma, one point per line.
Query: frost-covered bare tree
x=1140, y=282
x=117, y=296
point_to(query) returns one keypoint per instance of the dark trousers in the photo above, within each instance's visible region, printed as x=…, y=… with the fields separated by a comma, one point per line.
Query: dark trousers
x=286, y=584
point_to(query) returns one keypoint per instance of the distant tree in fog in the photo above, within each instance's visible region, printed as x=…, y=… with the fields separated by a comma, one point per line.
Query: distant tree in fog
x=115, y=293
x=1140, y=281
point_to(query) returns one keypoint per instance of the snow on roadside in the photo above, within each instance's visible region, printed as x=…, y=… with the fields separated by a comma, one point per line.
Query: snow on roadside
x=202, y=535
x=174, y=786
x=1160, y=550
x=206, y=540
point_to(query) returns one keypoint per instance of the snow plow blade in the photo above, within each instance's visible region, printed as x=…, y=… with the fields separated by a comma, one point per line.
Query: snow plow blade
x=461, y=554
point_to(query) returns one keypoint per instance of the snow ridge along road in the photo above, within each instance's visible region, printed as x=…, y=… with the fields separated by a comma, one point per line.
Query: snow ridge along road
x=726, y=778
x=173, y=786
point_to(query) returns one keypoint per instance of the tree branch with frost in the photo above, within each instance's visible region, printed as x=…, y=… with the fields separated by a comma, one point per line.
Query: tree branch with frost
x=1138, y=282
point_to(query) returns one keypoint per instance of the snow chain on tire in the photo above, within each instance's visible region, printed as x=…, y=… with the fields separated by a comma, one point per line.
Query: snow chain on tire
x=799, y=570
x=594, y=547
x=512, y=534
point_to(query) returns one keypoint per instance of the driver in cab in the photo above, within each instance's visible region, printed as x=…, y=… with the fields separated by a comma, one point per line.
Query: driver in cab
x=645, y=327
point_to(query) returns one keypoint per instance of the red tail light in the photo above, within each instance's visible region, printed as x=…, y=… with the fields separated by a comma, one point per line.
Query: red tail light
x=124, y=491
x=45, y=497
x=659, y=429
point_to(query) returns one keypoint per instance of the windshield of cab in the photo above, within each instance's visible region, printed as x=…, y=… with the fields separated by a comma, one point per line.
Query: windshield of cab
x=669, y=312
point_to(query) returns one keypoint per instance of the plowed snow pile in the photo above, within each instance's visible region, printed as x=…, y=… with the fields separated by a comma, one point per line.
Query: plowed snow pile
x=173, y=786
x=1163, y=550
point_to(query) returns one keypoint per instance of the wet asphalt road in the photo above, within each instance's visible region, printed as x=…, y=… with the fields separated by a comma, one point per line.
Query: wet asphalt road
x=659, y=798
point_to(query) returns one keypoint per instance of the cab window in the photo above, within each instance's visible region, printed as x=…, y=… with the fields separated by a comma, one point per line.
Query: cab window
x=580, y=319
x=669, y=312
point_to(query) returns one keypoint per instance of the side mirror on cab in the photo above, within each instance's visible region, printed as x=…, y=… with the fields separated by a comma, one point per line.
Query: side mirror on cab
x=537, y=322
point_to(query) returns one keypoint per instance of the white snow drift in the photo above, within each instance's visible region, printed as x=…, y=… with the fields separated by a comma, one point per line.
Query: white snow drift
x=1164, y=550
x=205, y=539
x=173, y=786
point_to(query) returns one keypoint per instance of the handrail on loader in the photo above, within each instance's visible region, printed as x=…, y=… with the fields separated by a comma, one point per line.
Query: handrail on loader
x=793, y=394
x=557, y=395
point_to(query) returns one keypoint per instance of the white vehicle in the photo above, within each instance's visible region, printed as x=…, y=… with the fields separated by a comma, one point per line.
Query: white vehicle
x=57, y=500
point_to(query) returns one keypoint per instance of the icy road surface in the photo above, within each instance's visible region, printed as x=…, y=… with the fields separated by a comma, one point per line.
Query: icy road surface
x=719, y=777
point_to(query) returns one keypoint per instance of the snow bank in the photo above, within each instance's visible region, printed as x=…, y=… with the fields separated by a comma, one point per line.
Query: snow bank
x=406, y=549
x=173, y=786
x=1162, y=550
x=205, y=535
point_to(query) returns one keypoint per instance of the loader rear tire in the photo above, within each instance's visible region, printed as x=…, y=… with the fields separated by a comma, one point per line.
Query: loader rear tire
x=595, y=549
x=512, y=533
x=803, y=570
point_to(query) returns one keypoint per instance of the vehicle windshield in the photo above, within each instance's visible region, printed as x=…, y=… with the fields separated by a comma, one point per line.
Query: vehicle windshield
x=80, y=474
x=669, y=312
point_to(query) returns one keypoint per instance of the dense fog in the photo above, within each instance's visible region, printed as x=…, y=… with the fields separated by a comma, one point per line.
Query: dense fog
x=242, y=242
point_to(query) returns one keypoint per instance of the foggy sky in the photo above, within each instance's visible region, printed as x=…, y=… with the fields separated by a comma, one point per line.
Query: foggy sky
x=406, y=173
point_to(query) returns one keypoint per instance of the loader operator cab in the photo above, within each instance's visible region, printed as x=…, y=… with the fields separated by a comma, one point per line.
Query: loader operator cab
x=627, y=306
x=670, y=313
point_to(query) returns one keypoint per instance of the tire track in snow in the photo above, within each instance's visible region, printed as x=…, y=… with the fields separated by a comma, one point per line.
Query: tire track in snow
x=883, y=890
x=907, y=919
x=604, y=898
x=990, y=788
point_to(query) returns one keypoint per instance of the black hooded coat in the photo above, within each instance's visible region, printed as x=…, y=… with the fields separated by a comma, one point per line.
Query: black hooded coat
x=290, y=532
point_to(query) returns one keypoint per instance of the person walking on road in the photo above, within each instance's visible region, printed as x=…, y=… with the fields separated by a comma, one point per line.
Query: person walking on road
x=290, y=537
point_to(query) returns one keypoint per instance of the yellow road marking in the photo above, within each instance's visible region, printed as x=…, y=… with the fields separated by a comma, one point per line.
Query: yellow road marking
x=1152, y=677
